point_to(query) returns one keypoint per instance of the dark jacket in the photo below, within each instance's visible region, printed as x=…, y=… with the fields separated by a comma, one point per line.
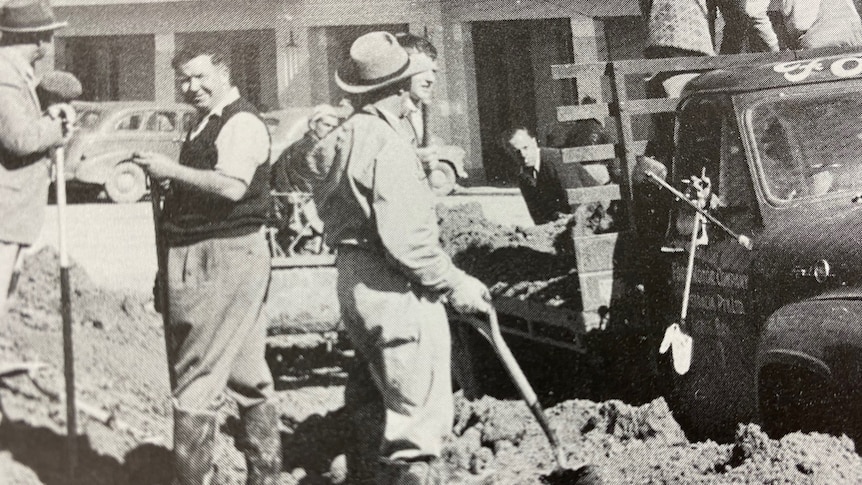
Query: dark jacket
x=545, y=195
x=286, y=172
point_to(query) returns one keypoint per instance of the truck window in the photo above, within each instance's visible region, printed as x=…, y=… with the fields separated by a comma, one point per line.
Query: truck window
x=807, y=145
x=709, y=143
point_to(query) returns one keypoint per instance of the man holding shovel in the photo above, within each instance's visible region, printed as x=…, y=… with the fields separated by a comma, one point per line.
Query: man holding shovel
x=27, y=134
x=218, y=270
x=393, y=276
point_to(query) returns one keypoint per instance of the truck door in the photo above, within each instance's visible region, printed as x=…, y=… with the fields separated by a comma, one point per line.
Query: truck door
x=719, y=390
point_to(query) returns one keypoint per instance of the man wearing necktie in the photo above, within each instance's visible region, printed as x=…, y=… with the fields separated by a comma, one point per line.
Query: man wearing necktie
x=543, y=179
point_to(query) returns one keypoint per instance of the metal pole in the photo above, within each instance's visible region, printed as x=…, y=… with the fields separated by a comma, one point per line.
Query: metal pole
x=742, y=239
x=162, y=277
x=66, y=312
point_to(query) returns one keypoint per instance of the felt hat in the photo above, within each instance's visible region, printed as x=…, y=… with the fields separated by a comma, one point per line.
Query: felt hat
x=26, y=16
x=377, y=60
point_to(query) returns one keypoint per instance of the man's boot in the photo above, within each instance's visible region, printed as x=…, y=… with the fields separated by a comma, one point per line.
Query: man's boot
x=194, y=439
x=260, y=442
x=418, y=472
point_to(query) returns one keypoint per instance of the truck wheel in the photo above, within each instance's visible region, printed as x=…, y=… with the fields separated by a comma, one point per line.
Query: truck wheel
x=126, y=183
x=442, y=179
x=795, y=399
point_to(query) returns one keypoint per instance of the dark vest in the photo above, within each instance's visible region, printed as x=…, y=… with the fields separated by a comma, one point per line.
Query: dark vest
x=192, y=215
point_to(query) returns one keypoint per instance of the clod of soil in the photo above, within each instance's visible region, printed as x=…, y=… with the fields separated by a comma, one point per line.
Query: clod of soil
x=125, y=430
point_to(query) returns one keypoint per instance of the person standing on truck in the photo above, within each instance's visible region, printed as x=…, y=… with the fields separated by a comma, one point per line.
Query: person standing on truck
x=543, y=179
x=27, y=134
x=287, y=171
x=218, y=271
x=746, y=20
x=821, y=23
x=676, y=28
x=393, y=276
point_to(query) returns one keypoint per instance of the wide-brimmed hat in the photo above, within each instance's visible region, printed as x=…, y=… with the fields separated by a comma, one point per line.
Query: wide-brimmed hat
x=377, y=60
x=26, y=16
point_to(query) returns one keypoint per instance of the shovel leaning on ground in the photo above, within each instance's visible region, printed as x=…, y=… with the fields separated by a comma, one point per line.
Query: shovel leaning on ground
x=562, y=474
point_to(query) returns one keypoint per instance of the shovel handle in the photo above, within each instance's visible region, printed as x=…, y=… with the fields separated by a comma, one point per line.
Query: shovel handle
x=491, y=331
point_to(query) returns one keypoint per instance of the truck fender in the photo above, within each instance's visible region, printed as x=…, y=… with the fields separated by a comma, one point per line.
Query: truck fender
x=97, y=169
x=818, y=335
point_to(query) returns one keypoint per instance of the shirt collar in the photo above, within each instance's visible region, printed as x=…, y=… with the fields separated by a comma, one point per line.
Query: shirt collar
x=410, y=108
x=231, y=96
x=390, y=117
x=538, y=160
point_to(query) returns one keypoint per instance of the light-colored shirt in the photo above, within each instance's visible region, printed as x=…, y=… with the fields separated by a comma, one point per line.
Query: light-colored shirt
x=242, y=143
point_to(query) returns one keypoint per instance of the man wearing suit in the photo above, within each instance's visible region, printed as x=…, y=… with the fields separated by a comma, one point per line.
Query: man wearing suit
x=27, y=135
x=543, y=178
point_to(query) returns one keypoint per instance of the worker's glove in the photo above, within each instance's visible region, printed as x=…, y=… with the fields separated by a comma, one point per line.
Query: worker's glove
x=470, y=296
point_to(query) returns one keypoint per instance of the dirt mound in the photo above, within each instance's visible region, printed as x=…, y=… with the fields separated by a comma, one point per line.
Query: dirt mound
x=535, y=262
x=125, y=429
x=499, y=442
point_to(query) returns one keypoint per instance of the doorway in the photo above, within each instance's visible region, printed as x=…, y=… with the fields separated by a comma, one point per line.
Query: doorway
x=513, y=61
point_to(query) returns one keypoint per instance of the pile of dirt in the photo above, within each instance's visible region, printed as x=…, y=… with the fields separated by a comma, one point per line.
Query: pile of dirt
x=535, y=263
x=125, y=421
x=500, y=442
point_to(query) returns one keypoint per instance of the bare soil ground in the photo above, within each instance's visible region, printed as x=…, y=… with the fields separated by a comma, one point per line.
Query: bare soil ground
x=125, y=417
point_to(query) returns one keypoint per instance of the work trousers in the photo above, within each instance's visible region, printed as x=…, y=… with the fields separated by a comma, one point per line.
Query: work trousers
x=217, y=288
x=403, y=336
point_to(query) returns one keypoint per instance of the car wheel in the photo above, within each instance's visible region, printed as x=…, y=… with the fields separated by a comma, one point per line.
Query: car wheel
x=442, y=178
x=127, y=183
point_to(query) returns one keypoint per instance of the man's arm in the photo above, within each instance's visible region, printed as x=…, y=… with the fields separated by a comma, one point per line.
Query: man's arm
x=242, y=144
x=758, y=21
x=210, y=181
x=406, y=222
x=22, y=133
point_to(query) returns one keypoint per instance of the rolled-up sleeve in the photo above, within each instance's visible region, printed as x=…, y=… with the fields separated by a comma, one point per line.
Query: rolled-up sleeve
x=243, y=145
x=22, y=133
x=403, y=208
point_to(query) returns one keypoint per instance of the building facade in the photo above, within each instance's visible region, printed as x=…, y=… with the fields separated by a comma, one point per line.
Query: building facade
x=495, y=54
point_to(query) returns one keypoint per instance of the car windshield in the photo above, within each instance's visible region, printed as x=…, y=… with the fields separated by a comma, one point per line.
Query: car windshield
x=808, y=145
x=88, y=119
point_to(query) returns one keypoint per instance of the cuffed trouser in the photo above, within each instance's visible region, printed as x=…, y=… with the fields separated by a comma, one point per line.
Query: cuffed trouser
x=404, y=337
x=216, y=291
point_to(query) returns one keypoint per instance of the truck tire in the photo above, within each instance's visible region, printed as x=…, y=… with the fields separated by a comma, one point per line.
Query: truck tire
x=443, y=178
x=126, y=183
x=795, y=399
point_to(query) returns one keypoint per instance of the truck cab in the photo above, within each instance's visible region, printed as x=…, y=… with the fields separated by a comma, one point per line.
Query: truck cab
x=776, y=328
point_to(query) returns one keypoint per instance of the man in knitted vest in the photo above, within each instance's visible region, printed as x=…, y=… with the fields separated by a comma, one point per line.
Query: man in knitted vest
x=218, y=272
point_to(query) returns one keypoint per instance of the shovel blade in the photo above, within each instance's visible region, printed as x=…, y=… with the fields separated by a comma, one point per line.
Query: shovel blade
x=680, y=344
x=585, y=475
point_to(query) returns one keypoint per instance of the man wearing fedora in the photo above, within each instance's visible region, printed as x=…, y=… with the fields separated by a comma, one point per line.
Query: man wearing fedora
x=393, y=276
x=27, y=134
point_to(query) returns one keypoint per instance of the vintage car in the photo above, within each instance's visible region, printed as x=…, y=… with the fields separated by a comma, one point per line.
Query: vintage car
x=109, y=132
